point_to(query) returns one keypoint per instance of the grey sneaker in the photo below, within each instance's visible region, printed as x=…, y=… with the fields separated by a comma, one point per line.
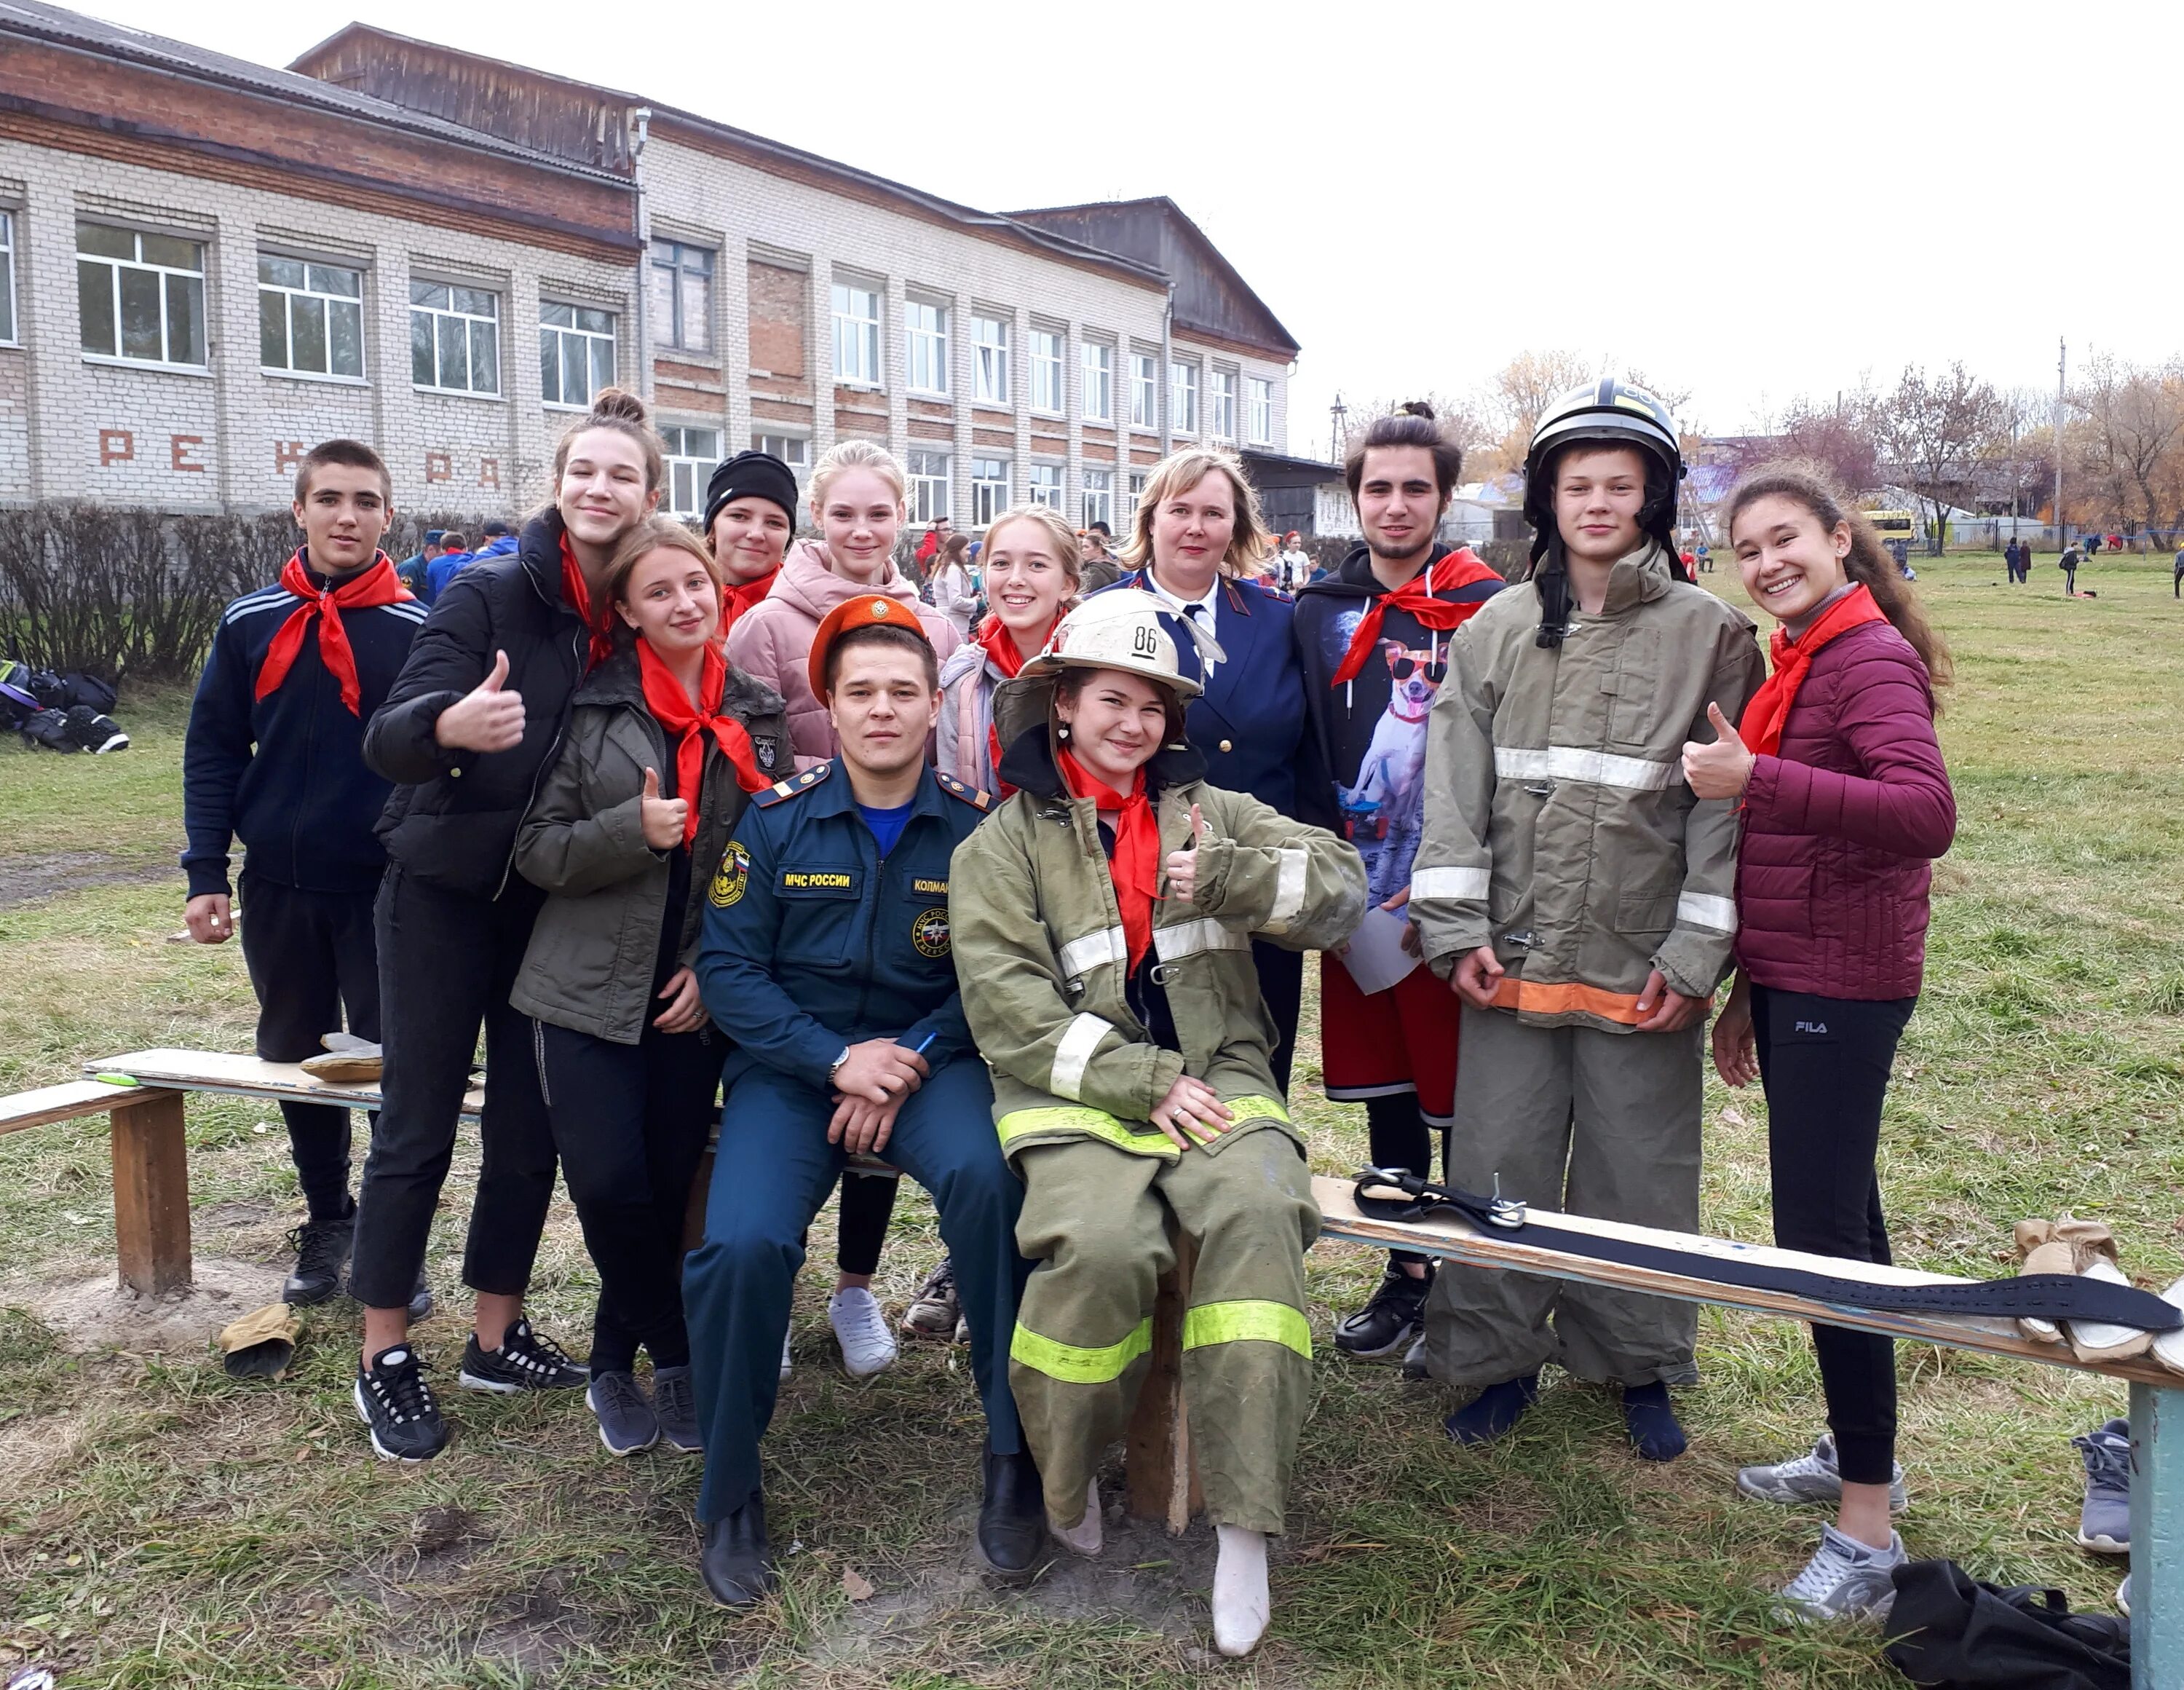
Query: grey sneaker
x=2105, y=1521
x=1845, y=1581
x=675, y=1406
x=1812, y=1478
x=627, y=1422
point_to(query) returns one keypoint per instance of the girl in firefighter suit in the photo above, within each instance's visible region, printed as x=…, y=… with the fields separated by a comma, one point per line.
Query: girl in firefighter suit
x=1103, y=924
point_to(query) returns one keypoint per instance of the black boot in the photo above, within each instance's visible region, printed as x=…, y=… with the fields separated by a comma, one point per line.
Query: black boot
x=1012, y=1540
x=736, y=1562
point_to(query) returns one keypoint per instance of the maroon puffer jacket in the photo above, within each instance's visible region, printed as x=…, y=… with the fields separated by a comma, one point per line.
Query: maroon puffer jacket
x=1841, y=829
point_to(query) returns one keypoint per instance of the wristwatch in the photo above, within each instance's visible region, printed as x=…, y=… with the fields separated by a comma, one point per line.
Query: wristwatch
x=835, y=1067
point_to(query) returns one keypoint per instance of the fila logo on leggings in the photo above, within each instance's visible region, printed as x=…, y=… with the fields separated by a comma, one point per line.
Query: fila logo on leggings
x=1812, y=1027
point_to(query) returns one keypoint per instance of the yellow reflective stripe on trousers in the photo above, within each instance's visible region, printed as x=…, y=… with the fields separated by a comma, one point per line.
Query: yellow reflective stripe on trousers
x=1077, y=1364
x=1244, y=1320
x=1243, y=1109
x=1022, y=1124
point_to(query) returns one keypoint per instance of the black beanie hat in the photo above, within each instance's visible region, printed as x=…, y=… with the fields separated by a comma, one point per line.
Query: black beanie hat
x=751, y=475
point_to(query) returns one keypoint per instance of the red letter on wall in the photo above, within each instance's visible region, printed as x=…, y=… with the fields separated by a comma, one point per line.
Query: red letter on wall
x=438, y=466
x=182, y=450
x=287, y=454
x=489, y=472
x=115, y=446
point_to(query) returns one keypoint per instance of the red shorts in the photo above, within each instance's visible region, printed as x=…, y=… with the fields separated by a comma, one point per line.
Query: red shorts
x=1400, y=1039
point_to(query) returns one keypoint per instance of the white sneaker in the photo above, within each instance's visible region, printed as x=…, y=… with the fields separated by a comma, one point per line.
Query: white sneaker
x=1846, y=1580
x=861, y=1329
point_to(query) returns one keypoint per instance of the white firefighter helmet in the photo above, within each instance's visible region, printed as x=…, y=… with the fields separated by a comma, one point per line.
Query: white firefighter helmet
x=1132, y=630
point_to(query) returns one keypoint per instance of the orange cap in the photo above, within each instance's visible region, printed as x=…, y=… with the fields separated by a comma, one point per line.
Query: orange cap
x=866, y=610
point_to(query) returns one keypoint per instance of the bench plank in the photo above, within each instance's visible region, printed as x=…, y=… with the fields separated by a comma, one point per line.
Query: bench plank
x=69, y=1103
x=1457, y=1241
x=237, y=1076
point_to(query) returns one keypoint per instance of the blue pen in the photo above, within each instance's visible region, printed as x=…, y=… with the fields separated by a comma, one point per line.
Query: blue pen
x=925, y=1044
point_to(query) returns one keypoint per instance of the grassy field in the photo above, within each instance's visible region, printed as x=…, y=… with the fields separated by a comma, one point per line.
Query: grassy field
x=160, y=1524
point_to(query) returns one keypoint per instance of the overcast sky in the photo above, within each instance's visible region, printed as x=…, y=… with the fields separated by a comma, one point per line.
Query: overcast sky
x=1749, y=201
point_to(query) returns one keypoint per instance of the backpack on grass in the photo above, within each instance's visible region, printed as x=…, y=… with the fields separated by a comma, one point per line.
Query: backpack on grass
x=1953, y=1632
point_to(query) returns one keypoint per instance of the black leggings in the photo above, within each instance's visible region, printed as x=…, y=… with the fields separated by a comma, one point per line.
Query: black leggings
x=1825, y=1062
x=1402, y=1139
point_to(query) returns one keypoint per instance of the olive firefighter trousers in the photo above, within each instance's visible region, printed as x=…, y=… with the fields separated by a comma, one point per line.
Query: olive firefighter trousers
x=1096, y=1220
x=1586, y=1122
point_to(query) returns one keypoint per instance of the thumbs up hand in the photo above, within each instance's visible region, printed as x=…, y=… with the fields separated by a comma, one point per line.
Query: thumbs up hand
x=1721, y=769
x=486, y=718
x=664, y=818
x=1182, y=865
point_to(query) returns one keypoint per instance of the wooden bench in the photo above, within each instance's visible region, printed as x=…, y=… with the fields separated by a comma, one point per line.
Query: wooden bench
x=150, y=1204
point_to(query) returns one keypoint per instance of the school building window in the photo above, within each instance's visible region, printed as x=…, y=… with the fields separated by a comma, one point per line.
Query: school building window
x=6, y=275
x=454, y=338
x=1183, y=398
x=856, y=335
x=925, y=332
x=1144, y=390
x=310, y=318
x=1259, y=409
x=793, y=449
x=142, y=297
x=1099, y=498
x=1046, y=371
x=929, y=497
x=990, y=369
x=1221, y=400
x=576, y=353
x=1134, y=493
x=1046, y=485
x=989, y=489
x=691, y=454
x=1099, y=383
x=682, y=296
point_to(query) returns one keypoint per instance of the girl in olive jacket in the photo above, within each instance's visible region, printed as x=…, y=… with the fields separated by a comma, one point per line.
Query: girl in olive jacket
x=664, y=744
x=1132, y=1084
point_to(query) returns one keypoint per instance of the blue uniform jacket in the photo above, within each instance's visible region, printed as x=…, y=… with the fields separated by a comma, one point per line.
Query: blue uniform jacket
x=810, y=941
x=1249, y=723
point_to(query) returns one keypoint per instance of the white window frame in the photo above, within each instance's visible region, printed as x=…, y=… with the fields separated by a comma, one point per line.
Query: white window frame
x=932, y=485
x=1134, y=493
x=990, y=358
x=591, y=340
x=1097, y=400
x=793, y=449
x=989, y=493
x=1221, y=404
x=925, y=346
x=1181, y=397
x=168, y=276
x=1259, y=409
x=1044, y=486
x=1144, y=390
x=10, y=332
x=856, y=336
x=1098, y=497
x=471, y=323
x=688, y=470
x=327, y=301
x=672, y=261
x=1047, y=351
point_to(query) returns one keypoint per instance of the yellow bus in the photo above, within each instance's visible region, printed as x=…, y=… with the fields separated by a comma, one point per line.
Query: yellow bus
x=1894, y=525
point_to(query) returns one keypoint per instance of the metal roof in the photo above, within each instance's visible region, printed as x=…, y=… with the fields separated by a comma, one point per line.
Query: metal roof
x=61, y=27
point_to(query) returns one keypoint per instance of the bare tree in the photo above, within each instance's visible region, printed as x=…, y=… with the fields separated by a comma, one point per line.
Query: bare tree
x=1525, y=387
x=1838, y=437
x=1934, y=433
x=2131, y=439
x=1464, y=421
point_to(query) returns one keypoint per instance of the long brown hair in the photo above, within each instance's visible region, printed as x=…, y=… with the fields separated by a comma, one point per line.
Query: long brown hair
x=1869, y=565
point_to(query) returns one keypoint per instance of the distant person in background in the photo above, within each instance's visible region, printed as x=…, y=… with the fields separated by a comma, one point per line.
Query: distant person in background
x=499, y=539
x=2176, y=585
x=1705, y=558
x=2092, y=545
x=2068, y=563
x=2009, y=556
x=1295, y=563
x=936, y=538
x=441, y=566
x=955, y=594
x=1101, y=568
x=410, y=571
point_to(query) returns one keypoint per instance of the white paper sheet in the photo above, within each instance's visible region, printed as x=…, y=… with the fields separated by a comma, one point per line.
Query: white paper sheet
x=1376, y=958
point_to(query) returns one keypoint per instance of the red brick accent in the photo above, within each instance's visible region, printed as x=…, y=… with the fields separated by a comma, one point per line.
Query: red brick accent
x=1144, y=454
x=921, y=428
x=439, y=466
x=489, y=472
x=287, y=454
x=116, y=446
x=182, y=450
x=780, y=320
x=930, y=408
x=994, y=437
x=1102, y=451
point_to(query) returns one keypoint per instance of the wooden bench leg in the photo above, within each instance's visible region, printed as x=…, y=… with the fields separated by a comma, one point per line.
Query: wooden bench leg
x=2157, y=1537
x=151, y=1193
x=1162, y=1473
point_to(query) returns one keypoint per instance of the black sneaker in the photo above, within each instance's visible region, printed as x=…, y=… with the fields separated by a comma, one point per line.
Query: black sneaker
x=1414, y=1360
x=420, y=1300
x=322, y=1248
x=394, y=1400
x=627, y=1422
x=675, y=1406
x=525, y=1361
x=1386, y=1326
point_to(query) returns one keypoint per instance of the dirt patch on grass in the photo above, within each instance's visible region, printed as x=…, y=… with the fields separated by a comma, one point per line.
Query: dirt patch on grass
x=27, y=880
x=101, y=1313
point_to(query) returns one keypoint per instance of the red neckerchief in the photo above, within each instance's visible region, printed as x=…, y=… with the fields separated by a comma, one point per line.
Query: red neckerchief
x=371, y=586
x=1135, y=869
x=1000, y=646
x=1761, y=729
x=576, y=592
x=735, y=601
x=671, y=707
x=1415, y=599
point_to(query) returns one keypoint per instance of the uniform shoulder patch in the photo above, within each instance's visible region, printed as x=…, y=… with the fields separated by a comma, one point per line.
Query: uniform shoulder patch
x=790, y=788
x=976, y=798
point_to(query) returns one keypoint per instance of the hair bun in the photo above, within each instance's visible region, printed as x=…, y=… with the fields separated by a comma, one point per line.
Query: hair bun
x=626, y=407
x=1416, y=408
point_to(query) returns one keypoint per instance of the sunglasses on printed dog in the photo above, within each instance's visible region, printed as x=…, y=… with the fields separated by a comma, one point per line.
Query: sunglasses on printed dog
x=1404, y=667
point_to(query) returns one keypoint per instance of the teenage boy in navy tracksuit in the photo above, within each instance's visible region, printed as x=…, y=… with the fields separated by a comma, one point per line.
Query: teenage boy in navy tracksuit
x=274, y=757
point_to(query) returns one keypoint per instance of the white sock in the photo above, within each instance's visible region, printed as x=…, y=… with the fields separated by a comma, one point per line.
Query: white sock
x=1242, y=1604
x=1083, y=1538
